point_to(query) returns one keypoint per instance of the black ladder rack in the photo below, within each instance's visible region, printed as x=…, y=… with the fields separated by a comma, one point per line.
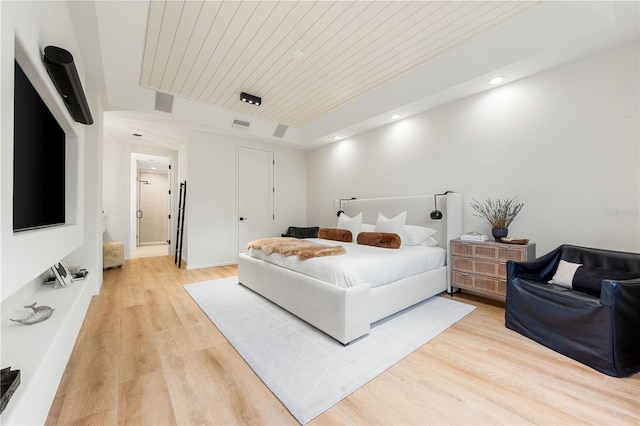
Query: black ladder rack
x=179, y=235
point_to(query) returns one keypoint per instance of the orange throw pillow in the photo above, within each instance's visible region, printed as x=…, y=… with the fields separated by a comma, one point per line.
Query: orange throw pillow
x=380, y=239
x=335, y=234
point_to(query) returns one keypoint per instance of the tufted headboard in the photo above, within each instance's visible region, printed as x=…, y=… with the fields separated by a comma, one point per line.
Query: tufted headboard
x=418, y=210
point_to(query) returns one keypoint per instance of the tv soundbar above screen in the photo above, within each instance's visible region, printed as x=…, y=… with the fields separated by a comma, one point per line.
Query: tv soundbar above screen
x=38, y=160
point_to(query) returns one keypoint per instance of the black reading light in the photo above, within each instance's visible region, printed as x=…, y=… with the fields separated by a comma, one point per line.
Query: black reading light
x=250, y=99
x=437, y=214
x=341, y=200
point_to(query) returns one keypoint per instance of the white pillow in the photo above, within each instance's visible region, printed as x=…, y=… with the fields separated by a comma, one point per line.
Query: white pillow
x=429, y=242
x=368, y=228
x=393, y=225
x=564, y=274
x=353, y=224
x=413, y=235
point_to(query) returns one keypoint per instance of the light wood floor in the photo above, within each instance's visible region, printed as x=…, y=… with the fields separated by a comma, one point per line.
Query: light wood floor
x=149, y=251
x=146, y=354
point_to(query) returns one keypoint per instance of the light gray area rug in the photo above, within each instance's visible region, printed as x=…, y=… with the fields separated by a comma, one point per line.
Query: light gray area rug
x=307, y=370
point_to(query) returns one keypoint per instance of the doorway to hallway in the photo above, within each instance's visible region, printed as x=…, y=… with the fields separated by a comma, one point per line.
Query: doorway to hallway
x=151, y=199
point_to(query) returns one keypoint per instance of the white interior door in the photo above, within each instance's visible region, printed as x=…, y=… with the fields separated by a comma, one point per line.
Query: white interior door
x=255, y=195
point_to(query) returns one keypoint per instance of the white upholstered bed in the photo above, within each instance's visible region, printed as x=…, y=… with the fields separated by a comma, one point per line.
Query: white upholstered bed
x=346, y=313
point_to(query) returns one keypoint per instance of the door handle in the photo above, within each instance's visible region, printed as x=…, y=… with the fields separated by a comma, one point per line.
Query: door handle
x=243, y=218
x=139, y=214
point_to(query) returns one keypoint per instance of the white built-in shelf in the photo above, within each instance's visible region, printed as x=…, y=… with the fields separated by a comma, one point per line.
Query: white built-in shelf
x=41, y=351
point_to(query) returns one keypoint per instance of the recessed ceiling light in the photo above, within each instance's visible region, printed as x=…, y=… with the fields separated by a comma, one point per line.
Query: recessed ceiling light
x=337, y=138
x=395, y=116
x=153, y=168
x=497, y=80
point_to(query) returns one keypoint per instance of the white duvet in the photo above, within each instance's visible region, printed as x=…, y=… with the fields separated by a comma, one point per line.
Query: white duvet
x=361, y=264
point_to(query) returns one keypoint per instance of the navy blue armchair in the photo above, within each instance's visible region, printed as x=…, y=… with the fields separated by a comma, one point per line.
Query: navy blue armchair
x=599, y=330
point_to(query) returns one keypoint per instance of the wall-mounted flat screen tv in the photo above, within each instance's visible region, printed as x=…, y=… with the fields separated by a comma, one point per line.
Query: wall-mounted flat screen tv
x=38, y=160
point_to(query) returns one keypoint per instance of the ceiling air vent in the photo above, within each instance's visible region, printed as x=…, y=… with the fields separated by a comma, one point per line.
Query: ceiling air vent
x=241, y=125
x=164, y=102
x=280, y=130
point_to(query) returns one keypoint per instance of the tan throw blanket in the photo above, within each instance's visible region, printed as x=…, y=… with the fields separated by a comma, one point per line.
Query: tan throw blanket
x=295, y=247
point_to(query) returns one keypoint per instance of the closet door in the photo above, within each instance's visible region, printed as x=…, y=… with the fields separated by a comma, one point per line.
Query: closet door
x=255, y=195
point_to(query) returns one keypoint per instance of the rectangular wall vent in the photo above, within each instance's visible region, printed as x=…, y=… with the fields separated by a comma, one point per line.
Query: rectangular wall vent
x=164, y=102
x=280, y=130
x=241, y=125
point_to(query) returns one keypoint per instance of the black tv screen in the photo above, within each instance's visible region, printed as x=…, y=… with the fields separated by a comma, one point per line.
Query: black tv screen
x=38, y=160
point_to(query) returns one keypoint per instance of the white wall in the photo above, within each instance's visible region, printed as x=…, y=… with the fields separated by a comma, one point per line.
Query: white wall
x=210, y=158
x=115, y=183
x=211, y=210
x=565, y=142
x=89, y=255
x=210, y=214
x=26, y=30
x=42, y=351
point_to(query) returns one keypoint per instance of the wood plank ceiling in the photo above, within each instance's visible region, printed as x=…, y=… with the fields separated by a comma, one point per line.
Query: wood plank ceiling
x=303, y=58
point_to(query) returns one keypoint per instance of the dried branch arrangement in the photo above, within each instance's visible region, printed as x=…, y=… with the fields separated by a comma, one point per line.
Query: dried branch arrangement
x=499, y=213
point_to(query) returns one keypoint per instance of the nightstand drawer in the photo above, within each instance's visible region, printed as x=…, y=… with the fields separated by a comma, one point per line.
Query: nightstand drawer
x=493, y=269
x=482, y=265
x=490, y=251
x=476, y=282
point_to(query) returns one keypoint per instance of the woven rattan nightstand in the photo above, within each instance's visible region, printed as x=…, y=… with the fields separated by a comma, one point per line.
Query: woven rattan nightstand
x=481, y=266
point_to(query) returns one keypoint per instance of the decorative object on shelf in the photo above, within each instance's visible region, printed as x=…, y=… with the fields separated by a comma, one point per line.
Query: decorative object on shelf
x=499, y=233
x=39, y=314
x=81, y=274
x=499, y=214
x=62, y=274
x=437, y=214
x=519, y=241
x=474, y=236
x=10, y=381
x=77, y=273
